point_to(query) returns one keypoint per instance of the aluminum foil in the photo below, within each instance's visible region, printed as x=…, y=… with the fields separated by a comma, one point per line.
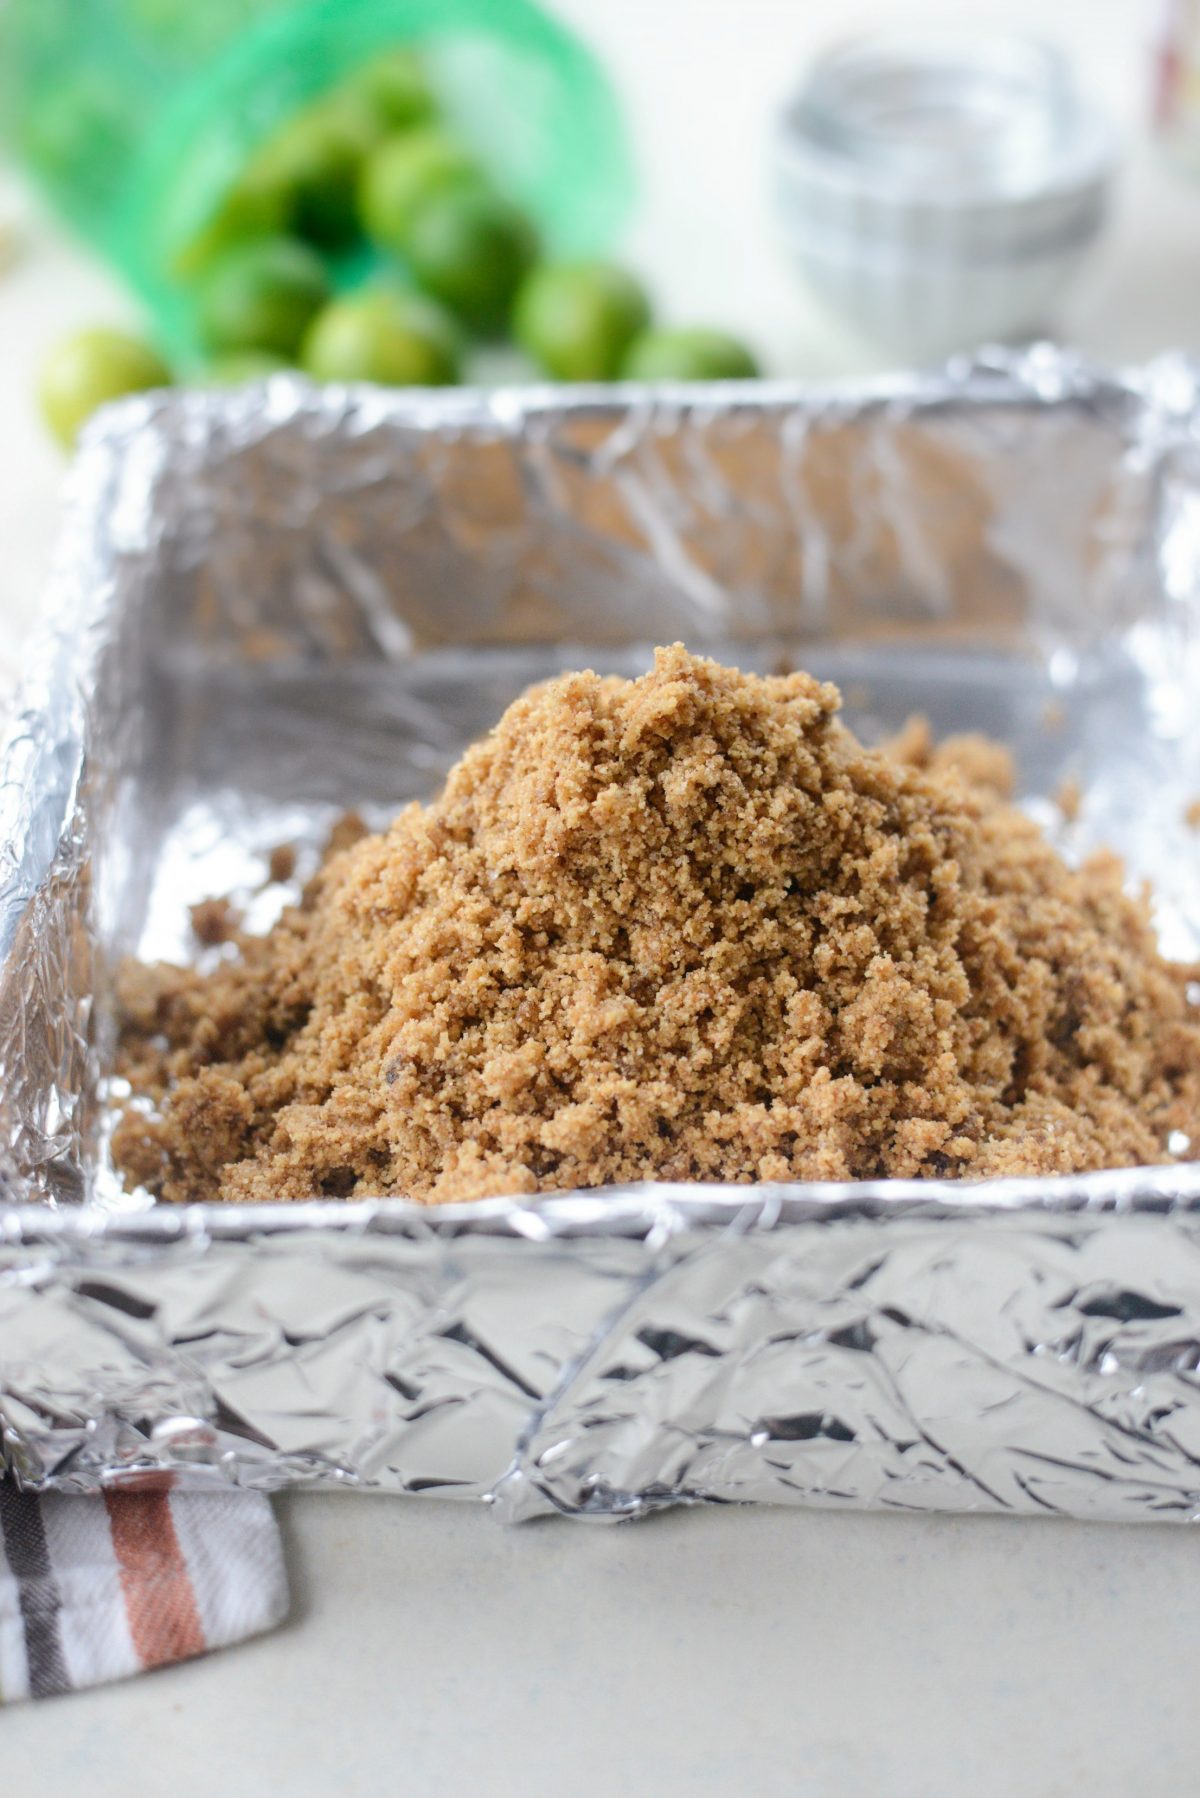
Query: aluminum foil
x=273, y=604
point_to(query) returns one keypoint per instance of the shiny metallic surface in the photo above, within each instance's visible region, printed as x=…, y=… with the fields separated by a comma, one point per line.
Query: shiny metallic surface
x=273, y=604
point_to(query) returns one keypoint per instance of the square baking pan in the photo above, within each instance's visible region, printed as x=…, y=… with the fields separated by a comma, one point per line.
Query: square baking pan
x=274, y=604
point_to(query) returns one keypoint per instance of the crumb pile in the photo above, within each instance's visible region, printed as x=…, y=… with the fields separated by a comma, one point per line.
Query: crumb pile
x=680, y=928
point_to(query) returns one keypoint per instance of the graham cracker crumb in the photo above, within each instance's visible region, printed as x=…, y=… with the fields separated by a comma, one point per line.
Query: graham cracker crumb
x=1069, y=799
x=970, y=757
x=281, y=863
x=349, y=829
x=215, y=921
x=683, y=928
x=1191, y=816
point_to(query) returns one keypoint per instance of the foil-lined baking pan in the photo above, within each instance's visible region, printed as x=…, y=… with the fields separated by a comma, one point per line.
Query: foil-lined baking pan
x=273, y=604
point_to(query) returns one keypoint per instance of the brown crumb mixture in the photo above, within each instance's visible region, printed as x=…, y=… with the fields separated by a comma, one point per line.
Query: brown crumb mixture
x=679, y=928
x=1069, y=799
x=281, y=863
x=1191, y=816
x=215, y=921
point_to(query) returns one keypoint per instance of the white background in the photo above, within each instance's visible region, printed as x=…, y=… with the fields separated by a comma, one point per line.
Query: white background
x=756, y=1654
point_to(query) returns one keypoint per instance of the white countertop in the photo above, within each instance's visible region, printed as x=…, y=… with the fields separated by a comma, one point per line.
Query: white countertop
x=759, y=1654
x=741, y=1653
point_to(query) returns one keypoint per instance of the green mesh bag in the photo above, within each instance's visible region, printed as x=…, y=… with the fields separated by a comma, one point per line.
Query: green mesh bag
x=135, y=117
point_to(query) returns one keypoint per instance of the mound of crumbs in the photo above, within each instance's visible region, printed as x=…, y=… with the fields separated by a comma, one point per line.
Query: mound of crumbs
x=679, y=928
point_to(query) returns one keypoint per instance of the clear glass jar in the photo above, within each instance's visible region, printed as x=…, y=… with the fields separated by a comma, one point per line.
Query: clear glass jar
x=940, y=188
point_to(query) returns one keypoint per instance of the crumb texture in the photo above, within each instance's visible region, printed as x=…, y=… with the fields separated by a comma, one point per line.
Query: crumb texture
x=679, y=928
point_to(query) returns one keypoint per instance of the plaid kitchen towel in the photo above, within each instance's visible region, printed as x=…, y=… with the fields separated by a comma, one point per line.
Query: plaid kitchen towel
x=92, y=1589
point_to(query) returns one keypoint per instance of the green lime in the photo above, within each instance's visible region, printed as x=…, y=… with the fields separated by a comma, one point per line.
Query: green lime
x=688, y=353
x=382, y=334
x=314, y=162
x=396, y=85
x=90, y=367
x=358, y=117
x=471, y=249
x=255, y=206
x=242, y=365
x=577, y=319
x=261, y=296
x=403, y=174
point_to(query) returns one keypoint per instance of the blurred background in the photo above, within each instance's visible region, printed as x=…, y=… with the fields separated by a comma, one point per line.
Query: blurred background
x=656, y=191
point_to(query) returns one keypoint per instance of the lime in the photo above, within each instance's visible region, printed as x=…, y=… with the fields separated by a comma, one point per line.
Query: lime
x=255, y=206
x=577, y=319
x=261, y=296
x=355, y=114
x=688, y=353
x=382, y=334
x=242, y=365
x=403, y=174
x=313, y=164
x=395, y=84
x=90, y=367
x=470, y=249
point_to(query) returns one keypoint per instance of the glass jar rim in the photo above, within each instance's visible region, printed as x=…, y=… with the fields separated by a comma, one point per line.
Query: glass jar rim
x=971, y=111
